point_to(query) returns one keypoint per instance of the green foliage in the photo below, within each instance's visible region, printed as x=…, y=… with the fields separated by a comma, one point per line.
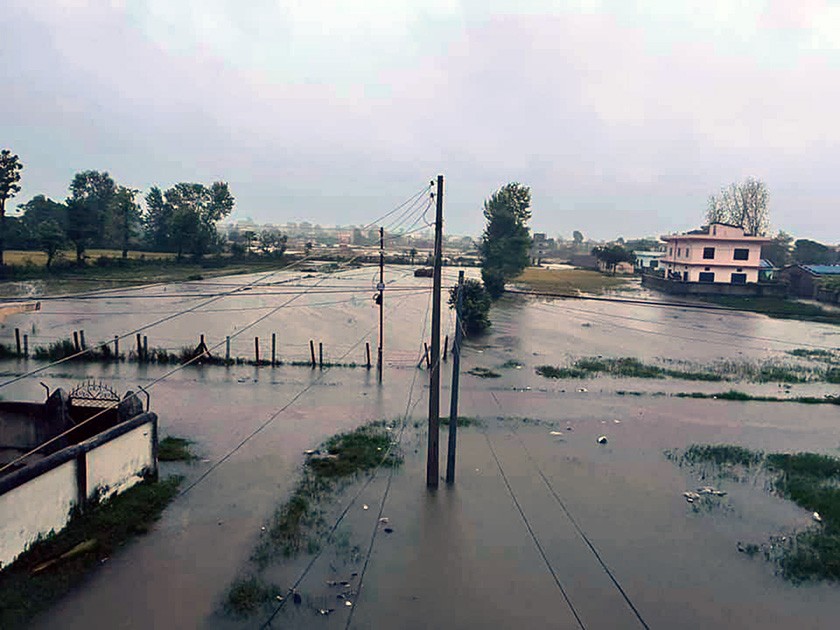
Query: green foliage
x=743, y=204
x=506, y=240
x=722, y=454
x=246, y=595
x=611, y=255
x=10, y=168
x=123, y=218
x=175, y=449
x=482, y=372
x=475, y=306
x=88, y=206
x=810, y=252
x=778, y=251
x=50, y=238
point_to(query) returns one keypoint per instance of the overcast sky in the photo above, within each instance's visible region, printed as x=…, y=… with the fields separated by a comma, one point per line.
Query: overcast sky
x=622, y=116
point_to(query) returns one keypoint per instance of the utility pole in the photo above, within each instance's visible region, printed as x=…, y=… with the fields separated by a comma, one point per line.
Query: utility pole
x=433, y=452
x=456, y=366
x=381, y=300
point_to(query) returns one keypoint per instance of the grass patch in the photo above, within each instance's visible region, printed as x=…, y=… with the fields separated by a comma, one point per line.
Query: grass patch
x=628, y=367
x=298, y=524
x=778, y=308
x=482, y=372
x=175, y=449
x=551, y=371
x=511, y=364
x=88, y=539
x=736, y=395
x=810, y=480
x=247, y=595
x=568, y=280
x=463, y=421
x=814, y=354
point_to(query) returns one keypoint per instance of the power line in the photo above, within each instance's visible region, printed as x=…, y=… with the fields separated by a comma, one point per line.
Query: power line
x=574, y=523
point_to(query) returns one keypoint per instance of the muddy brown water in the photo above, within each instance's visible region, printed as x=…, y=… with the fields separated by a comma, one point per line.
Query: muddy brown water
x=461, y=557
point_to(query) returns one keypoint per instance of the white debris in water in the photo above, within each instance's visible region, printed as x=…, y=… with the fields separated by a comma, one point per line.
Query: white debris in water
x=690, y=496
x=555, y=433
x=582, y=390
x=348, y=603
x=712, y=491
x=602, y=439
x=816, y=516
x=383, y=520
x=616, y=421
x=365, y=507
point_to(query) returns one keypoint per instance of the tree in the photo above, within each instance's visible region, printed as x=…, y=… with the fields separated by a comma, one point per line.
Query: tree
x=577, y=237
x=475, y=306
x=40, y=209
x=10, y=168
x=778, y=251
x=809, y=252
x=506, y=241
x=158, y=220
x=196, y=209
x=743, y=204
x=611, y=255
x=272, y=242
x=412, y=254
x=91, y=193
x=50, y=238
x=124, y=217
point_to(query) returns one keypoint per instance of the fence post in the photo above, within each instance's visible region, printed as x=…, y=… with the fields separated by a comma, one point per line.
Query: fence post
x=145, y=348
x=139, y=348
x=17, y=340
x=312, y=352
x=116, y=348
x=82, y=339
x=76, y=345
x=227, y=349
x=428, y=361
x=26, y=346
x=445, y=346
x=321, y=354
x=273, y=349
x=257, y=350
x=367, y=354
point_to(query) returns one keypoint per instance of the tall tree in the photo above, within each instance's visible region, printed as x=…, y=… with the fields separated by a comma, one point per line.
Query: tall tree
x=91, y=193
x=778, y=251
x=577, y=237
x=196, y=209
x=157, y=221
x=50, y=238
x=506, y=240
x=123, y=217
x=611, y=255
x=810, y=252
x=10, y=168
x=743, y=204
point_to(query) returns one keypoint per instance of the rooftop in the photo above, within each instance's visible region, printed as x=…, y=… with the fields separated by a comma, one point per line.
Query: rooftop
x=823, y=270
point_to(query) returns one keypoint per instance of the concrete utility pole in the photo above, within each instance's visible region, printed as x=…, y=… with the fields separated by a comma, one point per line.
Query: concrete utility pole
x=381, y=288
x=433, y=453
x=456, y=366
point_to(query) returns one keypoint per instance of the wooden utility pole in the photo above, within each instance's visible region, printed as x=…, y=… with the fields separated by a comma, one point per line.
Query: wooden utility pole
x=456, y=366
x=381, y=287
x=433, y=452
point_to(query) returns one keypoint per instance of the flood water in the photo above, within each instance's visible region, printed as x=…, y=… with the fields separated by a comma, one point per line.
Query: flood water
x=463, y=556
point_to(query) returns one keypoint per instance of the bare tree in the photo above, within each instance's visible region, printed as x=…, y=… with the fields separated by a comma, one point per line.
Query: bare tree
x=743, y=204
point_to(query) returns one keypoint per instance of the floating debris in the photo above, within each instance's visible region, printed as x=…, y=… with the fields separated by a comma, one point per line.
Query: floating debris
x=388, y=530
x=348, y=603
x=365, y=507
x=383, y=520
x=332, y=583
x=712, y=491
x=816, y=516
x=602, y=439
x=311, y=451
x=690, y=496
x=582, y=390
x=616, y=421
x=296, y=598
x=325, y=611
x=555, y=433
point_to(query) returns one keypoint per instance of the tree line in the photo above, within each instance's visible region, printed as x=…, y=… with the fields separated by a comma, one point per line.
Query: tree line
x=100, y=213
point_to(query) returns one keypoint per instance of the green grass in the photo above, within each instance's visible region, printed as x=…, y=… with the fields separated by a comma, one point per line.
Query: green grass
x=568, y=280
x=811, y=481
x=247, y=595
x=551, y=371
x=298, y=524
x=482, y=372
x=463, y=421
x=778, y=308
x=736, y=395
x=511, y=364
x=175, y=449
x=628, y=367
x=96, y=534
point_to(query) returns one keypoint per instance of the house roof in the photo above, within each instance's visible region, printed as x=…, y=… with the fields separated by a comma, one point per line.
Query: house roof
x=823, y=270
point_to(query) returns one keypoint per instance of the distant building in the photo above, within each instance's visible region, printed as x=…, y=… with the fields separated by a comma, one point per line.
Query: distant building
x=647, y=260
x=718, y=253
x=804, y=280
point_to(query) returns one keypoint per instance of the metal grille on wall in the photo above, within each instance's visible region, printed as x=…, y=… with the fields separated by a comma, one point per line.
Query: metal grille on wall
x=93, y=393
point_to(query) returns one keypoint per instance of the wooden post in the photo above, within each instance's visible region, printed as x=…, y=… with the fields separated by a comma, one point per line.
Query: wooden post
x=257, y=350
x=82, y=339
x=445, y=347
x=367, y=354
x=26, y=346
x=433, y=450
x=227, y=349
x=321, y=354
x=273, y=349
x=145, y=348
x=312, y=352
x=456, y=366
x=76, y=345
x=17, y=340
x=428, y=362
x=139, y=348
x=116, y=348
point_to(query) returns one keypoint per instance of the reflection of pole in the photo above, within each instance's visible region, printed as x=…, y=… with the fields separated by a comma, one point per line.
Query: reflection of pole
x=381, y=288
x=433, y=452
x=456, y=366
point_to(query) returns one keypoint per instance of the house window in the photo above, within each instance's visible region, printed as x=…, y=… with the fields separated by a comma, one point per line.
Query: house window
x=670, y=251
x=739, y=270
x=708, y=253
x=686, y=252
x=654, y=264
x=739, y=278
x=678, y=251
x=707, y=268
x=706, y=276
x=741, y=254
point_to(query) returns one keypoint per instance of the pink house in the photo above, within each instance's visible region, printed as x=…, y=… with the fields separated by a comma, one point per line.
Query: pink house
x=716, y=253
